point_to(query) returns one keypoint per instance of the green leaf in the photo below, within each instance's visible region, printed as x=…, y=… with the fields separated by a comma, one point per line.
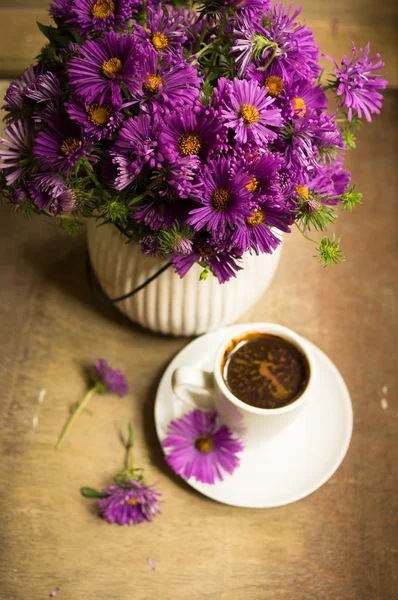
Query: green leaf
x=53, y=34
x=90, y=493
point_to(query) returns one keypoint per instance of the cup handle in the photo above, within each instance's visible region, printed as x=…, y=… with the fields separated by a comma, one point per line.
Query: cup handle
x=194, y=387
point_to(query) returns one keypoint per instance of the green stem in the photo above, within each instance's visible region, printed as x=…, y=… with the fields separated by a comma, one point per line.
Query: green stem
x=202, y=35
x=306, y=237
x=48, y=214
x=77, y=412
x=203, y=50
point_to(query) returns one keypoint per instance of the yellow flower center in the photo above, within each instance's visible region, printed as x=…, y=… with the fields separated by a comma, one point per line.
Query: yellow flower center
x=111, y=67
x=159, y=41
x=204, y=444
x=132, y=501
x=152, y=84
x=249, y=114
x=302, y=191
x=99, y=114
x=103, y=9
x=299, y=106
x=252, y=185
x=220, y=199
x=256, y=219
x=170, y=197
x=203, y=248
x=274, y=85
x=189, y=143
x=69, y=145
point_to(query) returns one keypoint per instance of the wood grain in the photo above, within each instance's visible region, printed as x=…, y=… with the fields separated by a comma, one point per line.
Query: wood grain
x=340, y=543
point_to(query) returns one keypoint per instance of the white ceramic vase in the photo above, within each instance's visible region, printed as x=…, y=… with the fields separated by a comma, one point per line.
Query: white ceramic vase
x=169, y=304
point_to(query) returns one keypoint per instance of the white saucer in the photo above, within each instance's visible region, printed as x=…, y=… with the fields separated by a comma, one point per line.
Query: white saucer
x=289, y=466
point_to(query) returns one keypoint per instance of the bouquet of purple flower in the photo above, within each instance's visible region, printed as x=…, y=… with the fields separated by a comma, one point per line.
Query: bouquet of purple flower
x=200, y=131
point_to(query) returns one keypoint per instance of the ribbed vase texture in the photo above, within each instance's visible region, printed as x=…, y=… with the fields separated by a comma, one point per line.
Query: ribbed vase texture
x=169, y=304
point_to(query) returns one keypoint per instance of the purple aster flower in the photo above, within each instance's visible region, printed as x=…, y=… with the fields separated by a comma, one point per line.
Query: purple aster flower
x=165, y=31
x=300, y=96
x=107, y=380
x=88, y=16
x=223, y=265
x=98, y=121
x=60, y=9
x=255, y=234
x=50, y=192
x=310, y=140
x=358, y=85
x=18, y=196
x=105, y=66
x=135, y=147
x=44, y=88
x=195, y=132
x=113, y=380
x=180, y=180
x=149, y=245
x=16, y=148
x=248, y=112
x=129, y=503
x=200, y=449
x=250, y=7
x=329, y=182
x=15, y=101
x=272, y=78
x=60, y=145
x=263, y=172
x=293, y=46
x=166, y=84
x=225, y=198
x=216, y=250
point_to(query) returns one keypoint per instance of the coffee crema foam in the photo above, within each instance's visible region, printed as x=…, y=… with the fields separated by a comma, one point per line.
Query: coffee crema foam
x=265, y=370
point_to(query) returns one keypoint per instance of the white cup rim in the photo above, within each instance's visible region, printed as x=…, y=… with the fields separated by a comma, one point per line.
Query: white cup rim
x=273, y=329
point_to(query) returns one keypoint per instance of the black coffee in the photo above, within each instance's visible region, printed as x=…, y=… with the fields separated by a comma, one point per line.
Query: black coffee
x=265, y=370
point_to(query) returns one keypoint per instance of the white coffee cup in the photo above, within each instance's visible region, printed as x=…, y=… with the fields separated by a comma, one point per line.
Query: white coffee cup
x=208, y=391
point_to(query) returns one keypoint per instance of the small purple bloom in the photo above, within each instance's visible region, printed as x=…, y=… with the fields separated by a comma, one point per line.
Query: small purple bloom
x=44, y=88
x=114, y=381
x=106, y=65
x=99, y=121
x=300, y=96
x=247, y=111
x=165, y=31
x=60, y=9
x=15, y=94
x=151, y=563
x=89, y=16
x=51, y=192
x=60, y=145
x=166, y=83
x=199, y=448
x=17, y=145
x=293, y=44
x=18, y=196
x=195, y=132
x=149, y=245
x=55, y=592
x=222, y=264
x=135, y=147
x=358, y=85
x=129, y=503
x=225, y=198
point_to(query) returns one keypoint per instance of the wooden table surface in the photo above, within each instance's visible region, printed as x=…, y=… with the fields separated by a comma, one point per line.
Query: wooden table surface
x=340, y=543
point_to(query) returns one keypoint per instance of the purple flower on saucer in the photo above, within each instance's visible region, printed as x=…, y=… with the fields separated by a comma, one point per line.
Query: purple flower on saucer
x=200, y=449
